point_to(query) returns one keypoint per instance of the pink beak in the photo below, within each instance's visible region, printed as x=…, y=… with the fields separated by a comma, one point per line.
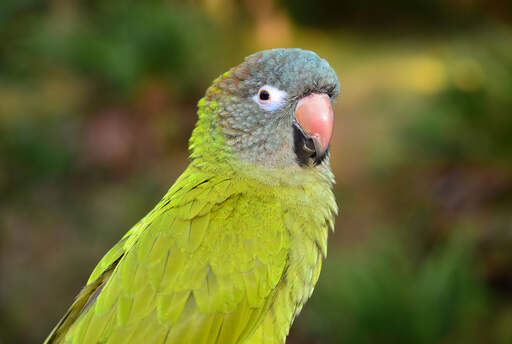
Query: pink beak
x=315, y=115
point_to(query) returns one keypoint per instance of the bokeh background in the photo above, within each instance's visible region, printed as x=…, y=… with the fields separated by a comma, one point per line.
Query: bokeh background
x=98, y=99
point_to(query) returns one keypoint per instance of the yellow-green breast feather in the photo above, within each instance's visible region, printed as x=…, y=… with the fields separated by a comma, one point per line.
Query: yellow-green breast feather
x=207, y=265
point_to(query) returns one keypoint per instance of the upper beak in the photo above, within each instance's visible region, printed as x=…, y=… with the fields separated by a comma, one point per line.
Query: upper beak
x=315, y=116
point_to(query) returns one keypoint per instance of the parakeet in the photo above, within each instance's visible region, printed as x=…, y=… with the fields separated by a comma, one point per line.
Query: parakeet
x=233, y=250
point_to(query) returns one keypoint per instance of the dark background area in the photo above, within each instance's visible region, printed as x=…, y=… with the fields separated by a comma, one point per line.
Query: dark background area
x=98, y=99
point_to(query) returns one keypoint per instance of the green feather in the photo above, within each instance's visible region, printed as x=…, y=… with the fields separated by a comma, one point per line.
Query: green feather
x=229, y=255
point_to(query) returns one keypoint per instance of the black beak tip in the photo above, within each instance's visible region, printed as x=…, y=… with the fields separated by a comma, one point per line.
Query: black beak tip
x=319, y=158
x=306, y=149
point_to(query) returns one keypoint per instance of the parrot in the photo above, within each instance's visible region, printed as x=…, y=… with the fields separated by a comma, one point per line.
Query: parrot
x=234, y=249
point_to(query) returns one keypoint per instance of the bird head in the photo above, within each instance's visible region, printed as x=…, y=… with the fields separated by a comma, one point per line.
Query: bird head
x=274, y=110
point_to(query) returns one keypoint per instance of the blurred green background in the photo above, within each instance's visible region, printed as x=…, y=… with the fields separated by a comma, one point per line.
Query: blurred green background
x=98, y=99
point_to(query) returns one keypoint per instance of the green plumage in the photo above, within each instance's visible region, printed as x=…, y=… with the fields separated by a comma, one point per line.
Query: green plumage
x=229, y=255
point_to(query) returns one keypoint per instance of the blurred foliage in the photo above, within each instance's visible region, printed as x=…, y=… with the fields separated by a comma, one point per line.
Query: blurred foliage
x=398, y=14
x=117, y=44
x=388, y=296
x=97, y=100
x=469, y=119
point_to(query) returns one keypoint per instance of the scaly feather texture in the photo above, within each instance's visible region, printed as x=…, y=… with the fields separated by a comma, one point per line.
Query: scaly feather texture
x=229, y=255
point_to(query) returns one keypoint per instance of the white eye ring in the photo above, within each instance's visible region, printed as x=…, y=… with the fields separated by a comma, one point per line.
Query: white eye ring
x=270, y=98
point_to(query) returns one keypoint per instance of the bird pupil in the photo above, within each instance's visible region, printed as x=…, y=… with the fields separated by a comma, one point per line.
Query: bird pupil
x=264, y=95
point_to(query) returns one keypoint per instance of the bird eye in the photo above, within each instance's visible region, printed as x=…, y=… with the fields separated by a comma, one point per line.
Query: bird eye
x=270, y=98
x=264, y=95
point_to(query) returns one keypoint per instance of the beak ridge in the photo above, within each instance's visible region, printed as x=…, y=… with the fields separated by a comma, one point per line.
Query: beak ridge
x=315, y=117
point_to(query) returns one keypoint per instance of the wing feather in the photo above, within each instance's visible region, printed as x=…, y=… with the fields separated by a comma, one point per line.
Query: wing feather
x=202, y=267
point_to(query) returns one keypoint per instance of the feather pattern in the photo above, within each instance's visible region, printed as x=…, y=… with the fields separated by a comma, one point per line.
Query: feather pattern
x=229, y=255
x=219, y=260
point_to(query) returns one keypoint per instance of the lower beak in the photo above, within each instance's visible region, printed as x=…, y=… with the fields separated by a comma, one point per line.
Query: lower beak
x=315, y=117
